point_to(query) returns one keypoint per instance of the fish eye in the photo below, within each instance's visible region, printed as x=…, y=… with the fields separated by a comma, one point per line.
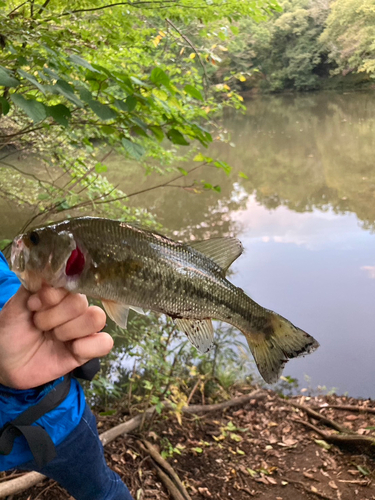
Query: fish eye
x=34, y=238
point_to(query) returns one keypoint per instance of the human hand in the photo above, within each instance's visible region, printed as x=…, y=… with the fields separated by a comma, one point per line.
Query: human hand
x=46, y=335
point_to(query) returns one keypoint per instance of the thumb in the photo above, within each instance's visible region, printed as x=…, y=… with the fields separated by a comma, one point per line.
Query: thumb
x=17, y=305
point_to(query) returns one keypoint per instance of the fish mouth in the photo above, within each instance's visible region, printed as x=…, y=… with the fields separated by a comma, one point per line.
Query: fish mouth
x=19, y=259
x=19, y=256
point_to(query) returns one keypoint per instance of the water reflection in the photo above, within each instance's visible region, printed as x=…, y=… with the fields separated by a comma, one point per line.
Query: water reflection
x=301, y=215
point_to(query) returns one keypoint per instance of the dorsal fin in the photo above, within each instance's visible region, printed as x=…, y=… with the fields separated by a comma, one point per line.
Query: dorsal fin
x=223, y=251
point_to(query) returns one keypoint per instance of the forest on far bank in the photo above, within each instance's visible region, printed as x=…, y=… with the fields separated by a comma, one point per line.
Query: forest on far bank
x=306, y=45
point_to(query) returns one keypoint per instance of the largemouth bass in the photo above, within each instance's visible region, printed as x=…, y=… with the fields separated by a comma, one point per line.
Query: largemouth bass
x=128, y=267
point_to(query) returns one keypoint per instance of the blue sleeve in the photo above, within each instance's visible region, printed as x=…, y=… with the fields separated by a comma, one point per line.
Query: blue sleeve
x=9, y=283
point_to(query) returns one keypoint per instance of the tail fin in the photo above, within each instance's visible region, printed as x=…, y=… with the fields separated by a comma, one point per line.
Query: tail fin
x=278, y=343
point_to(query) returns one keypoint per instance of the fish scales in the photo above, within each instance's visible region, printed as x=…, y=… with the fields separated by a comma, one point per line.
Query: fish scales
x=126, y=266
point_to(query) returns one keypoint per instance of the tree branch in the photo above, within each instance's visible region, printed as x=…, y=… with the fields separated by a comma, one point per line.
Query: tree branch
x=43, y=7
x=108, y=6
x=18, y=7
x=205, y=79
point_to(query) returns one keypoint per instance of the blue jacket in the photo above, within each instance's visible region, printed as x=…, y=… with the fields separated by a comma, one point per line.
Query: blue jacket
x=59, y=422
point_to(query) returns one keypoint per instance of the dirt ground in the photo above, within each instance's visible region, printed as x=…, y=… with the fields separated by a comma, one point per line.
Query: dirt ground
x=260, y=450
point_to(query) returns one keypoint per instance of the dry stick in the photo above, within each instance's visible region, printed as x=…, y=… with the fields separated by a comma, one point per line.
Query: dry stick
x=324, y=420
x=168, y=483
x=159, y=460
x=351, y=439
x=348, y=408
x=30, y=479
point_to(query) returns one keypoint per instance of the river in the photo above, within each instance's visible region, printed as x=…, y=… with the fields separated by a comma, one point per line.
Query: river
x=306, y=217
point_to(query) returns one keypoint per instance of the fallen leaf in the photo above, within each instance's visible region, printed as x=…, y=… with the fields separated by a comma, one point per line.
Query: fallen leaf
x=308, y=475
x=289, y=441
x=271, y=480
x=323, y=444
x=333, y=485
x=351, y=418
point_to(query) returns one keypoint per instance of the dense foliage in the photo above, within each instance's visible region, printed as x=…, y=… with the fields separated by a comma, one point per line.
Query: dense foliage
x=310, y=44
x=123, y=74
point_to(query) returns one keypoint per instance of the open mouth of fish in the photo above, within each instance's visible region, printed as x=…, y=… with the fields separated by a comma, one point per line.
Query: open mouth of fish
x=33, y=280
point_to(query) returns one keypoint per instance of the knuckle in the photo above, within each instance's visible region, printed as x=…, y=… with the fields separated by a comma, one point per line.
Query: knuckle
x=97, y=318
x=77, y=305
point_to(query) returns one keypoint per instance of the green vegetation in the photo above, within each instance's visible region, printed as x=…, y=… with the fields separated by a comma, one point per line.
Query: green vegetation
x=122, y=74
x=308, y=45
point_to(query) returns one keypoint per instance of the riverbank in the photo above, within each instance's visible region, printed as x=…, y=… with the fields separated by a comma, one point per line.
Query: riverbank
x=267, y=448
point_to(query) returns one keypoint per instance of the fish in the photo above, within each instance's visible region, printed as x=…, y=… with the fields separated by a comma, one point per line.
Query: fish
x=129, y=267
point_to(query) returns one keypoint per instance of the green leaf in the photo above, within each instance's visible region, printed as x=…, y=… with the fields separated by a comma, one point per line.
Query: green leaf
x=189, y=89
x=82, y=62
x=4, y=106
x=176, y=137
x=43, y=196
x=323, y=444
x=63, y=88
x=85, y=95
x=198, y=450
x=159, y=77
x=4, y=243
x=234, y=30
x=60, y=114
x=34, y=109
x=32, y=80
x=244, y=176
x=160, y=94
x=133, y=149
x=182, y=170
x=128, y=105
x=6, y=80
x=107, y=413
x=100, y=168
x=224, y=166
x=102, y=110
x=158, y=132
x=137, y=81
x=200, y=157
x=363, y=470
x=252, y=472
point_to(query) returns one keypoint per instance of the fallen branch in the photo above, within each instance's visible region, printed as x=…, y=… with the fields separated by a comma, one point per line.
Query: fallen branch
x=322, y=418
x=339, y=439
x=355, y=408
x=14, y=486
x=168, y=483
x=165, y=466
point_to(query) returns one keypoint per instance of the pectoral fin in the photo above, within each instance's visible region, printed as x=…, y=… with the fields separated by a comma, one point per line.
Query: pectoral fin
x=199, y=332
x=118, y=312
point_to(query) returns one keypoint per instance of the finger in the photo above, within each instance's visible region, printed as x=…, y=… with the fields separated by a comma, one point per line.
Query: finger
x=93, y=320
x=71, y=307
x=46, y=297
x=93, y=346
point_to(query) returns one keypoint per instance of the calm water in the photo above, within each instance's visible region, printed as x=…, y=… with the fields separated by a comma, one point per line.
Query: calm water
x=306, y=217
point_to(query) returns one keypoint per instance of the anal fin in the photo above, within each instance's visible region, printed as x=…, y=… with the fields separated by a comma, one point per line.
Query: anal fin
x=118, y=312
x=199, y=332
